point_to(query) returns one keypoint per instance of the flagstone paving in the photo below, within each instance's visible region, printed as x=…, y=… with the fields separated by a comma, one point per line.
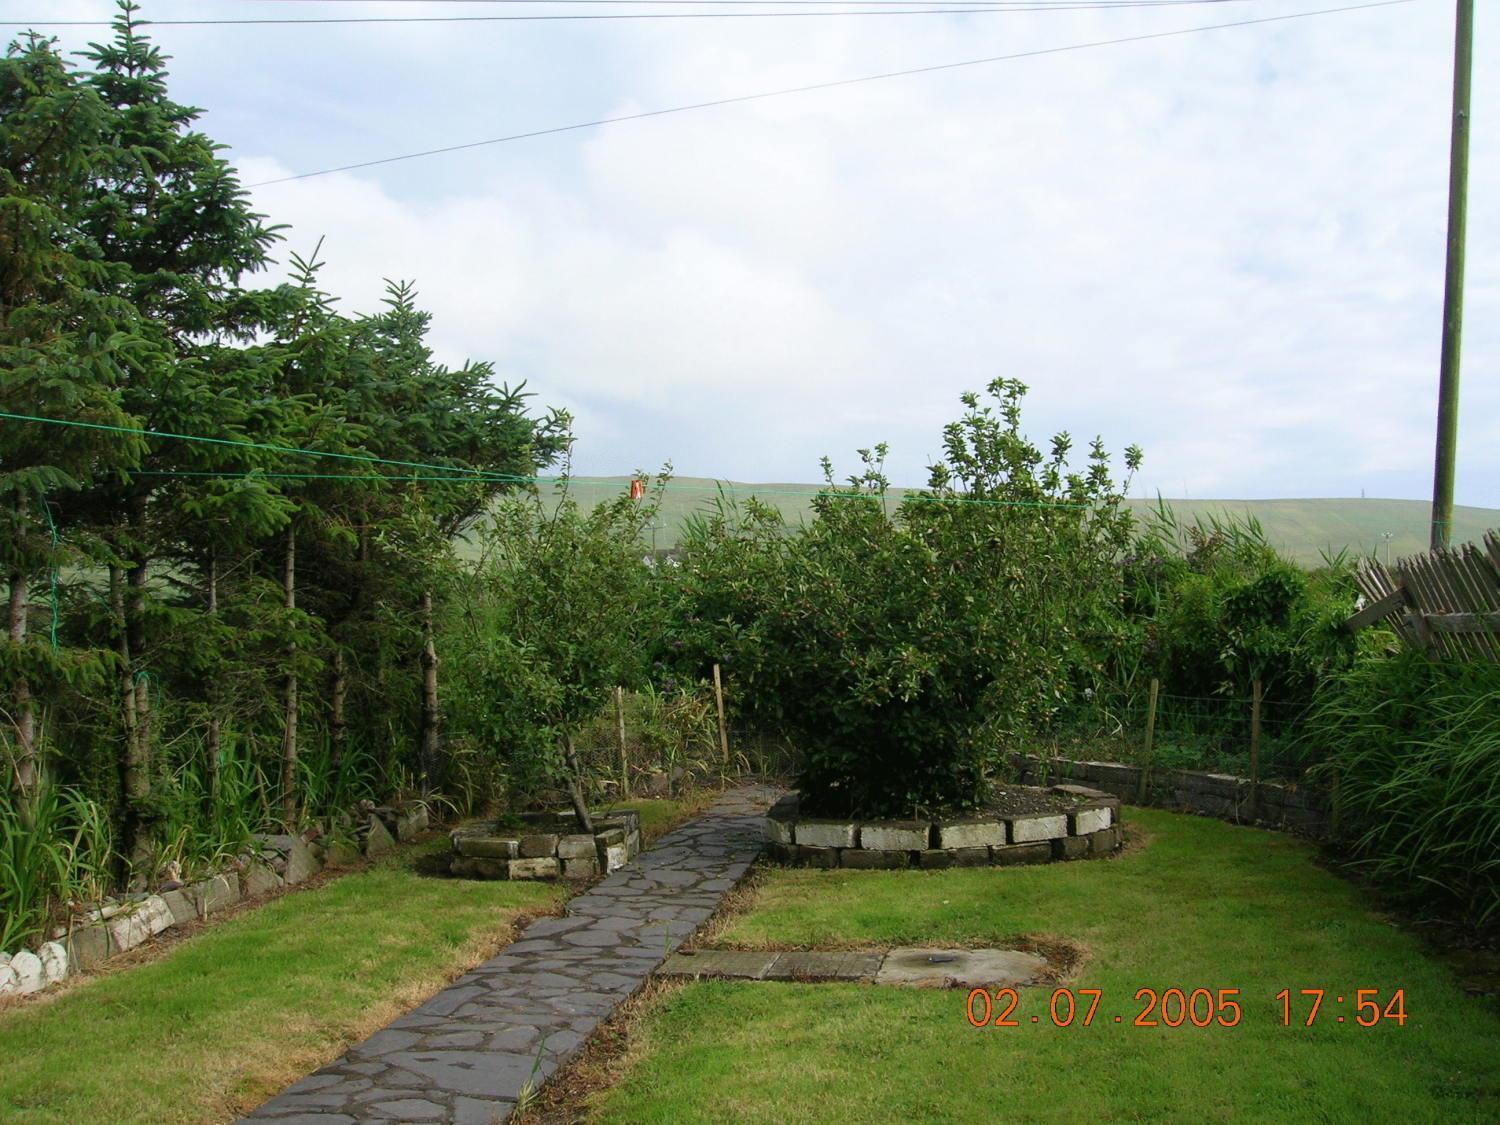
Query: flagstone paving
x=464, y=1056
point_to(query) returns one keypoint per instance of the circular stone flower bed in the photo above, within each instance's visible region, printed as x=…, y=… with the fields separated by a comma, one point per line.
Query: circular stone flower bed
x=1022, y=824
x=545, y=846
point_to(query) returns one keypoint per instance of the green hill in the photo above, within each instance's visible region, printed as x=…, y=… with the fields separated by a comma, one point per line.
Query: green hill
x=1303, y=529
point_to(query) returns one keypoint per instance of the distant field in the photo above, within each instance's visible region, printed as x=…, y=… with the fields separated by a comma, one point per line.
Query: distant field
x=1304, y=529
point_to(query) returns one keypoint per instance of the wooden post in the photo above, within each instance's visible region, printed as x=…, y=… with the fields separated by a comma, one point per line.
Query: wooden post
x=1453, y=280
x=1254, y=749
x=1140, y=794
x=624, y=759
x=723, y=727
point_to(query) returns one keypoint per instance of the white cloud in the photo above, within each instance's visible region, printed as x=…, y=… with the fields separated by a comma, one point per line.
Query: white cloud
x=1227, y=247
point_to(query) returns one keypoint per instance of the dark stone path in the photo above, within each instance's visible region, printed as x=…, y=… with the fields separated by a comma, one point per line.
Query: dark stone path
x=464, y=1056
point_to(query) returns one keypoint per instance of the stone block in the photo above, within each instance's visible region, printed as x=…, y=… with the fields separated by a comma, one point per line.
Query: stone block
x=412, y=820
x=609, y=836
x=340, y=853
x=894, y=836
x=301, y=864
x=213, y=895
x=615, y=857
x=780, y=853
x=539, y=845
x=1040, y=852
x=808, y=855
x=580, y=846
x=54, y=959
x=971, y=834
x=258, y=879
x=487, y=847
x=478, y=867
x=535, y=867
x=1104, y=841
x=778, y=831
x=633, y=843
x=88, y=947
x=10, y=983
x=1082, y=791
x=971, y=857
x=182, y=906
x=30, y=976
x=1028, y=829
x=378, y=839
x=1085, y=821
x=580, y=867
x=860, y=859
x=824, y=833
x=935, y=859
x=1070, y=847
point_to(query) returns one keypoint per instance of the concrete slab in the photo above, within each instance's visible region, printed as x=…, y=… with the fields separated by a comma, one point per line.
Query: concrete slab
x=960, y=968
x=734, y=964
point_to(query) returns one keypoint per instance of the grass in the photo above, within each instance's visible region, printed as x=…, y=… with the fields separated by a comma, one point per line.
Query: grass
x=230, y=1015
x=1203, y=904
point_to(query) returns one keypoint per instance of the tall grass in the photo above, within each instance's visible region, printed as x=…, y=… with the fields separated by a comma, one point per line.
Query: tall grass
x=1414, y=746
x=55, y=848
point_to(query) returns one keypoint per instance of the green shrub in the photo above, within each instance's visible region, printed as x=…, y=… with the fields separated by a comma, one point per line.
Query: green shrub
x=898, y=647
x=561, y=608
x=1414, y=745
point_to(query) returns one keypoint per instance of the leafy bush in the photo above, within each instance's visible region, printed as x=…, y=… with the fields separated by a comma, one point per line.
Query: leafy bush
x=1214, y=607
x=560, y=609
x=1414, y=746
x=897, y=647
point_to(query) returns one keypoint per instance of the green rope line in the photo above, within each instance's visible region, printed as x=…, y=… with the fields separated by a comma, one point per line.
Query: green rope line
x=364, y=457
x=477, y=475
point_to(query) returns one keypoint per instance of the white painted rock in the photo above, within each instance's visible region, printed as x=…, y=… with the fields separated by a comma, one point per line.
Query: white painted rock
x=9, y=982
x=28, y=969
x=54, y=961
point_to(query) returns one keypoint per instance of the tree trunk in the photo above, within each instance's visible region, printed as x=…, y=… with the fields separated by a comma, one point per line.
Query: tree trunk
x=134, y=780
x=214, y=735
x=135, y=631
x=575, y=789
x=25, y=715
x=289, y=729
x=428, y=753
x=337, y=728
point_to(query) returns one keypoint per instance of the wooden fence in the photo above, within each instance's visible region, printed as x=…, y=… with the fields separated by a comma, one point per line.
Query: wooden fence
x=1446, y=603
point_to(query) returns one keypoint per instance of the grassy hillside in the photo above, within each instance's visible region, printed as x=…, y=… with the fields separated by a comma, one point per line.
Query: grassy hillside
x=1304, y=529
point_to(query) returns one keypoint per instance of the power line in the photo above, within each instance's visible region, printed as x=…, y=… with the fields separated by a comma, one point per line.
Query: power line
x=967, y=7
x=835, y=84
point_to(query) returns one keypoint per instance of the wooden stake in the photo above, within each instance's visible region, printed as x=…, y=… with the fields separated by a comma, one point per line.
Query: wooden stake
x=1140, y=795
x=624, y=760
x=723, y=727
x=1254, y=749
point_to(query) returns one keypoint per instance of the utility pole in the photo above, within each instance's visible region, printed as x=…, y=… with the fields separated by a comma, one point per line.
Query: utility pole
x=1453, y=285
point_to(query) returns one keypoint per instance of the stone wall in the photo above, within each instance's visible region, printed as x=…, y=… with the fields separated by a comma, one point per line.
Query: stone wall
x=545, y=846
x=120, y=924
x=1271, y=803
x=1088, y=828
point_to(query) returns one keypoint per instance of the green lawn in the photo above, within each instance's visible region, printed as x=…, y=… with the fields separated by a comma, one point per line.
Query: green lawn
x=234, y=1013
x=1204, y=904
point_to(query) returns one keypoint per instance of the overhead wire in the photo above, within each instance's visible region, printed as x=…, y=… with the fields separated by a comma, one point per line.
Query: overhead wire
x=830, y=85
x=826, y=9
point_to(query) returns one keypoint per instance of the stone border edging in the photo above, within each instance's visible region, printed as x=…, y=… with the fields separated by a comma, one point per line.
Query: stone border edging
x=1224, y=796
x=1090, y=829
x=274, y=861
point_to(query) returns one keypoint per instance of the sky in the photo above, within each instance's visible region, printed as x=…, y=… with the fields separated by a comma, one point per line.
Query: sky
x=1226, y=247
